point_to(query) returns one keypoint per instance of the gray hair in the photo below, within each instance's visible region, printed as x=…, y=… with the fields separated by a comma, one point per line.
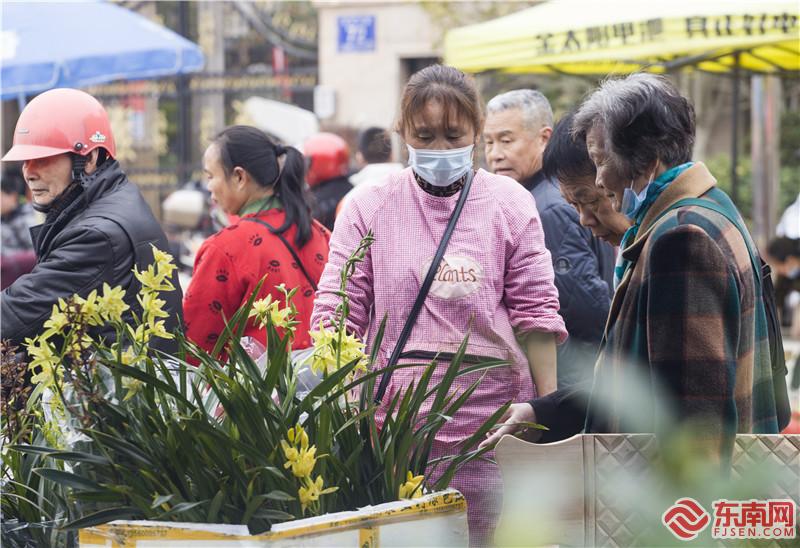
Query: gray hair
x=535, y=108
x=644, y=118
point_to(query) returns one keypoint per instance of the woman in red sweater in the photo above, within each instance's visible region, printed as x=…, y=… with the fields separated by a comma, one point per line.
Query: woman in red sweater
x=263, y=183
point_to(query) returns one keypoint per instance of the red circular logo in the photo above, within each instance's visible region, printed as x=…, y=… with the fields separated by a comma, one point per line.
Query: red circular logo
x=686, y=519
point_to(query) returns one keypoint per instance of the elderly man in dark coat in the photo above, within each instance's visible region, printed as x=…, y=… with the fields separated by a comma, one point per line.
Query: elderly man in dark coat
x=97, y=226
x=518, y=126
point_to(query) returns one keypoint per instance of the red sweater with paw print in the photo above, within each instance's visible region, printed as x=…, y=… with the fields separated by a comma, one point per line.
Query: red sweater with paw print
x=230, y=264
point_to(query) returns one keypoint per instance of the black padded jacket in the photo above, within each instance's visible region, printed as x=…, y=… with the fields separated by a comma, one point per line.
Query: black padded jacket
x=100, y=231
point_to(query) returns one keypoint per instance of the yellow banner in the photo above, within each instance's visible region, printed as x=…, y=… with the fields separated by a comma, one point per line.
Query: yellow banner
x=577, y=36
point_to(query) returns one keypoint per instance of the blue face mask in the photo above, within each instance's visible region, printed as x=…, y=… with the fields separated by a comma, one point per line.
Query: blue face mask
x=632, y=202
x=440, y=167
x=794, y=273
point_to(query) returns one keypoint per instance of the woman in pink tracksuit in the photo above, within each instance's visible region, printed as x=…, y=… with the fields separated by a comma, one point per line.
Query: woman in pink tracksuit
x=495, y=281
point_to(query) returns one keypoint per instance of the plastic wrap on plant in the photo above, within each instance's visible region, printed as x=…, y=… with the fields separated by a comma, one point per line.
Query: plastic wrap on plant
x=307, y=380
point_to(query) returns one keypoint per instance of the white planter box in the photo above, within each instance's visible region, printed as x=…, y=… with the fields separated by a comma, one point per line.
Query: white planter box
x=438, y=519
x=604, y=490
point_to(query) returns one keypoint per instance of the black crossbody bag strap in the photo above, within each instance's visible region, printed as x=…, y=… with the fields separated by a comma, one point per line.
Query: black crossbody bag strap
x=288, y=246
x=423, y=291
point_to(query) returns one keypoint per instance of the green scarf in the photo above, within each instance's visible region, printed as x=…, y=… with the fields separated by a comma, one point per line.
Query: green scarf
x=270, y=202
x=656, y=188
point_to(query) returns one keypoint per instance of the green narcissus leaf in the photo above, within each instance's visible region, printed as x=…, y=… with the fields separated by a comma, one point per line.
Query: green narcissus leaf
x=103, y=516
x=179, y=509
x=279, y=495
x=68, y=479
x=76, y=456
x=200, y=438
x=163, y=499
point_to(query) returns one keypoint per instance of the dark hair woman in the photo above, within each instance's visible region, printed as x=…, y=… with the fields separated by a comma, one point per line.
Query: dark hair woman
x=262, y=182
x=495, y=279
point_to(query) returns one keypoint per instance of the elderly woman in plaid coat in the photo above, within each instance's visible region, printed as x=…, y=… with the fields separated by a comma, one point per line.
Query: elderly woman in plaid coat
x=686, y=338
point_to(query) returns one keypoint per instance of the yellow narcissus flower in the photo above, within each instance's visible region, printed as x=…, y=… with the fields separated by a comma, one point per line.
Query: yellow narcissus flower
x=129, y=357
x=311, y=492
x=44, y=363
x=307, y=495
x=56, y=323
x=164, y=262
x=90, y=308
x=325, y=341
x=132, y=385
x=152, y=306
x=299, y=456
x=304, y=463
x=297, y=436
x=153, y=281
x=290, y=452
x=267, y=308
x=322, y=336
x=157, y=329
x=324, y=358
x=281, y=317
x=84, y=343
x=112, y=304
x=141, y=335
x=302, y=436
x=353, y=349
x=260, y=308
x=412, y=488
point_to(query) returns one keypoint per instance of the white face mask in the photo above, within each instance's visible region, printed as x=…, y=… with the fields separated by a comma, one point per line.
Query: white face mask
x=440, y=167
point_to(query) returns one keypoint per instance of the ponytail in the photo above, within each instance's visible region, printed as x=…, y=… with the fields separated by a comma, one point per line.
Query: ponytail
x=290, y=188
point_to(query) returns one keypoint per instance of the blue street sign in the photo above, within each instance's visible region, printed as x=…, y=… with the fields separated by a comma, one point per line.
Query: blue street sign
x=356, y=33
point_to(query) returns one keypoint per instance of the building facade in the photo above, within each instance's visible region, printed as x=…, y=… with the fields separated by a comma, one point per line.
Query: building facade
x=367, y=51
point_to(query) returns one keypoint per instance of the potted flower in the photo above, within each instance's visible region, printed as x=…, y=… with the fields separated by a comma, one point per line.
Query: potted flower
x=124, y=432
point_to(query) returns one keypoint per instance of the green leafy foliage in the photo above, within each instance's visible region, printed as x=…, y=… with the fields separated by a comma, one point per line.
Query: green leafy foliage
x=227, y=436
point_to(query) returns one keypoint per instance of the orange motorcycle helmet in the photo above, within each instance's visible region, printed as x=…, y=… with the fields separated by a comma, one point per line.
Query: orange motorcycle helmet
x=59, y=121
x=328, y=157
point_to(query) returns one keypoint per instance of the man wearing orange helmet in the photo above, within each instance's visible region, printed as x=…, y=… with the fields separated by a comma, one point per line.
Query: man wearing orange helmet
x=97, y=225
x=328, y=158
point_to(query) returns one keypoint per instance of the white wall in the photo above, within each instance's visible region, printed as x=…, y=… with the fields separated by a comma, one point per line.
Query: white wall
x=368, y=84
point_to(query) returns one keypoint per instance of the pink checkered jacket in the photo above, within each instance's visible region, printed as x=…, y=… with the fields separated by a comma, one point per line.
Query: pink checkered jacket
x=495, y=282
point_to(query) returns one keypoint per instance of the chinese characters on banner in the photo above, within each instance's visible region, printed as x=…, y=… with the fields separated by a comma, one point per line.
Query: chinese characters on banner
x=652, y=30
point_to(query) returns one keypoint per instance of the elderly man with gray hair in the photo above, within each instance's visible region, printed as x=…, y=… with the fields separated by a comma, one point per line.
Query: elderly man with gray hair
x=688, y=336
x=518, y=127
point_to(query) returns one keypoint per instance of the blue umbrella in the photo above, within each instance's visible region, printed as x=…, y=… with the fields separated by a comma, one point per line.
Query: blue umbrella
x=49, y=45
